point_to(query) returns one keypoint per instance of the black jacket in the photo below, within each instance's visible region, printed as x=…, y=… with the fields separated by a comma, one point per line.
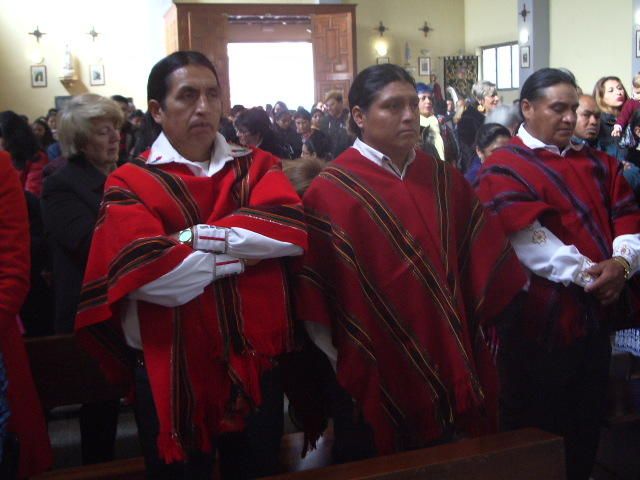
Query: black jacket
x=70, y=202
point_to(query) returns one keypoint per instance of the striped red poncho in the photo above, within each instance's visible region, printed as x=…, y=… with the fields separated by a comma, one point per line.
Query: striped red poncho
x=406, y=272
x=585, y=201
x=226, y=336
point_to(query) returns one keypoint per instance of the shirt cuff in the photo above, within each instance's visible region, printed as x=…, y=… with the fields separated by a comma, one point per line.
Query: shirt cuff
x=627, y=247
x=210, y=238
x=226, y=265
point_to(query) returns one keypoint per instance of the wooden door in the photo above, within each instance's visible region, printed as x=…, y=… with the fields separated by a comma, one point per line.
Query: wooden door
x=205, y=30
x=333, y=53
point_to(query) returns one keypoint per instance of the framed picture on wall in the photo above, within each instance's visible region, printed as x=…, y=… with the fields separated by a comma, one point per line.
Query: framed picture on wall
x=424, y=66
x=96, y=75
x=38, y=76
x=637, y=43
x=380, y=60
x=525, y=57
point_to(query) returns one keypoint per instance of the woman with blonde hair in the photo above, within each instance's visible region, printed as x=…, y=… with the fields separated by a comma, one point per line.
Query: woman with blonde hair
x=89, y=134
x=610, y=96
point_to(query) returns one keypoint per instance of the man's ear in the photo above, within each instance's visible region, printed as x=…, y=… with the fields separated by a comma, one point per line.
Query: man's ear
x=358, y=116
x=155, y=109
x=527, y=108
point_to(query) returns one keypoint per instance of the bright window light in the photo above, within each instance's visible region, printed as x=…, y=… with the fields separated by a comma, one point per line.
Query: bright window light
x=261, y=73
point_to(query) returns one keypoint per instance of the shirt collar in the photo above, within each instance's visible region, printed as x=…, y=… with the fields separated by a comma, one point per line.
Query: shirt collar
x=382, y=160
x=533, y=143
x=162, y=152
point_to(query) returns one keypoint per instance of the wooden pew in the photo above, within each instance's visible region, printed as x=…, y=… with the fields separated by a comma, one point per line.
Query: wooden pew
x=527, y=454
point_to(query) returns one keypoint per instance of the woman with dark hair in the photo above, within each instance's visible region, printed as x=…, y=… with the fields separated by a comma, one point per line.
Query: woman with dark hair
x=43, y=133
x=490, y=137
x=254, y=130
x=610, y=96
x=17, y=138
x=386, y=289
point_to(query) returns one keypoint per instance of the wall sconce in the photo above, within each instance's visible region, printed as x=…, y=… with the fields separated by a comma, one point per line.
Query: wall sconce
x=426, y=29
x=381, y=47
x=524, y=36
x=381, y=29
x=636, y=17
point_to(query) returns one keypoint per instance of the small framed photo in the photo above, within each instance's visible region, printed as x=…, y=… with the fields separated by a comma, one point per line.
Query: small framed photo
x=38, y=76
x=380, y=60
x=96, y=75
x=637, y=43
x=424, y=66
x=525, y=57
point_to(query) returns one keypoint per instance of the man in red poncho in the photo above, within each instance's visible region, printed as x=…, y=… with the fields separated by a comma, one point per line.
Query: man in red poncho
x=573, y=222
x=403, y=272
x=26, y=419
x=185, y=280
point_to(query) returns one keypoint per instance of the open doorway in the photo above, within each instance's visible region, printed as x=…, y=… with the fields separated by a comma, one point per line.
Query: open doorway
x=262, y=73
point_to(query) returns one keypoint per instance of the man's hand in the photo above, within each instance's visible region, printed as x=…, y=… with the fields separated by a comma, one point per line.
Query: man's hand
x=609, y=282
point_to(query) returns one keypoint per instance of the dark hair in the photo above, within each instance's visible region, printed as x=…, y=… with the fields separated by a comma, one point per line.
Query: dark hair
x=302, y=171
x=254, y=120
x=120, y=99
x=137, y=113
x=534, y=86
x=488, y=133
x=281, y=114
x=19, y=139
x=47, y=138
x=236, y=109
x=158, y=82
x=302, y=113
x=321, y=148
x=368, y=83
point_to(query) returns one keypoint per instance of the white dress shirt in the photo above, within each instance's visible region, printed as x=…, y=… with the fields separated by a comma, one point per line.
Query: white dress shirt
x=218, y=252
x=546, y=255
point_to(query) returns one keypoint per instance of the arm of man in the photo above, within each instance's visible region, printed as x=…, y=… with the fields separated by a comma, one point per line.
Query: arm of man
x=547, y=256
x=263, y=230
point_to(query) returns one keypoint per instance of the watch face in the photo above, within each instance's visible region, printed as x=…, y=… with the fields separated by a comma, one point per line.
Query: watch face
x=185, y=236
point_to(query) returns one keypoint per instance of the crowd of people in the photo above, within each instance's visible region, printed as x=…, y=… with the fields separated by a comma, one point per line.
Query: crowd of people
x=418, y=268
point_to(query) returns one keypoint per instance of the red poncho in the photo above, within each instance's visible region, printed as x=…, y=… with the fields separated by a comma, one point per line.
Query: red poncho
x=406, y=272
x=226, y=336
x=585, y=201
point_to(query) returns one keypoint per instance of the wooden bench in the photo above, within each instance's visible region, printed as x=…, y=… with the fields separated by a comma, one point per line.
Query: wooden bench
x=527, y=454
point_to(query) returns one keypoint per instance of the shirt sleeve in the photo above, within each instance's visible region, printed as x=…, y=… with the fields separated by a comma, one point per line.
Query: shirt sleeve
x=628, y=247
x=241, y=243
x=188, y=279
x=547, y=256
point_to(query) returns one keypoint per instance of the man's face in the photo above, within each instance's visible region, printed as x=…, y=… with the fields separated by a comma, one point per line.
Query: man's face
x=391, y=123
x=302, y=125
x=552, y=118
x=334, y=107
x=426, y=104
x=191, y=112
x=588, y=121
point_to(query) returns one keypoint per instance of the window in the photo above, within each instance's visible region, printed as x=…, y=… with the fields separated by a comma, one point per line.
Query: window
x=500, y=65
